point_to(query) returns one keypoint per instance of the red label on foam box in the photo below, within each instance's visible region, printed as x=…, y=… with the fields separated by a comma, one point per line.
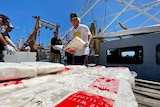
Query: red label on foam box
x=106, y=84
x=16, y=82
x=66, y=69
x=84, y=99
x=69, y=50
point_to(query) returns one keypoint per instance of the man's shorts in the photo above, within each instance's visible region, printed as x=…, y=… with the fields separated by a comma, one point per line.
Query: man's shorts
x=79, y=60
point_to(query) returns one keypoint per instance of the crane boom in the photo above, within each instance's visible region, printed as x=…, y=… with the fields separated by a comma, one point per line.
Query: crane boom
x=32, y=37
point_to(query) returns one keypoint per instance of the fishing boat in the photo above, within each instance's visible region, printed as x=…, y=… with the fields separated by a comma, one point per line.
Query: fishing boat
x=119, y=44
x=136, y=48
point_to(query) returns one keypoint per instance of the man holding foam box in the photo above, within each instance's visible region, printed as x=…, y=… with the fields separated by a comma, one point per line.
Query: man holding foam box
x=83, y=32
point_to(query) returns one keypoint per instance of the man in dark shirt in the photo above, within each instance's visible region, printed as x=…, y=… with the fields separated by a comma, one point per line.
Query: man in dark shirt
x=55, y=55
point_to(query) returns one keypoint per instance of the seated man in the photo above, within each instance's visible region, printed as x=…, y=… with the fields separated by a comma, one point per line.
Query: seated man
x=26, y=47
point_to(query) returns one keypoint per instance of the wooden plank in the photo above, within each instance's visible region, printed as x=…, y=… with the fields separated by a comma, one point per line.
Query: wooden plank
x=148, y=85
x=151, y=95
x=141, y=105
x=147, y=101
x=146, y=90
x=147, y=93
x=149, y=82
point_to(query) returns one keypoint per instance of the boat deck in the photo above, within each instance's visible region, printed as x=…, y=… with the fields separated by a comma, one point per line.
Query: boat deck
x=147, y=93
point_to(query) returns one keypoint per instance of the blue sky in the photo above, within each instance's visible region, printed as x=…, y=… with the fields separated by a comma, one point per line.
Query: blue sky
x=57, y=11
x=21, y=11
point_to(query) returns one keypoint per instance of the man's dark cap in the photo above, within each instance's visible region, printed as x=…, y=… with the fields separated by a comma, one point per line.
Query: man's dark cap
x=6, y=20
x=73, y=16
x=55, y=32
x=26, y=44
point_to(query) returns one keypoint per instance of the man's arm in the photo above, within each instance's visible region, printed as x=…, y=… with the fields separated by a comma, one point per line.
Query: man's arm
x=9, y=49
x=52, y=43
x=88, y=32
x=89, y=41
x=2, y=41
x=9, y=41
x=89, y=38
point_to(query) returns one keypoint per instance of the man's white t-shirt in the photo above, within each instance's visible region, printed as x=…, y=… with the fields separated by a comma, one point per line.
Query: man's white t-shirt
x=82, y=31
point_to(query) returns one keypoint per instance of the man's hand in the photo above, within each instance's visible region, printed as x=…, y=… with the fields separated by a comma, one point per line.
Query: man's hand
x=86, y=45
x=15, y=48
x=10, y=49
x=53, y=47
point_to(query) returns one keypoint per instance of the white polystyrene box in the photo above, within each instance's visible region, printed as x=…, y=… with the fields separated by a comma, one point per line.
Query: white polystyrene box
x=59, y=47
x=45, y=67
x=10, y=71
x=112, y=72
x=75, y=45
x=20, y=57
x=8, y=87
x=51, y=94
